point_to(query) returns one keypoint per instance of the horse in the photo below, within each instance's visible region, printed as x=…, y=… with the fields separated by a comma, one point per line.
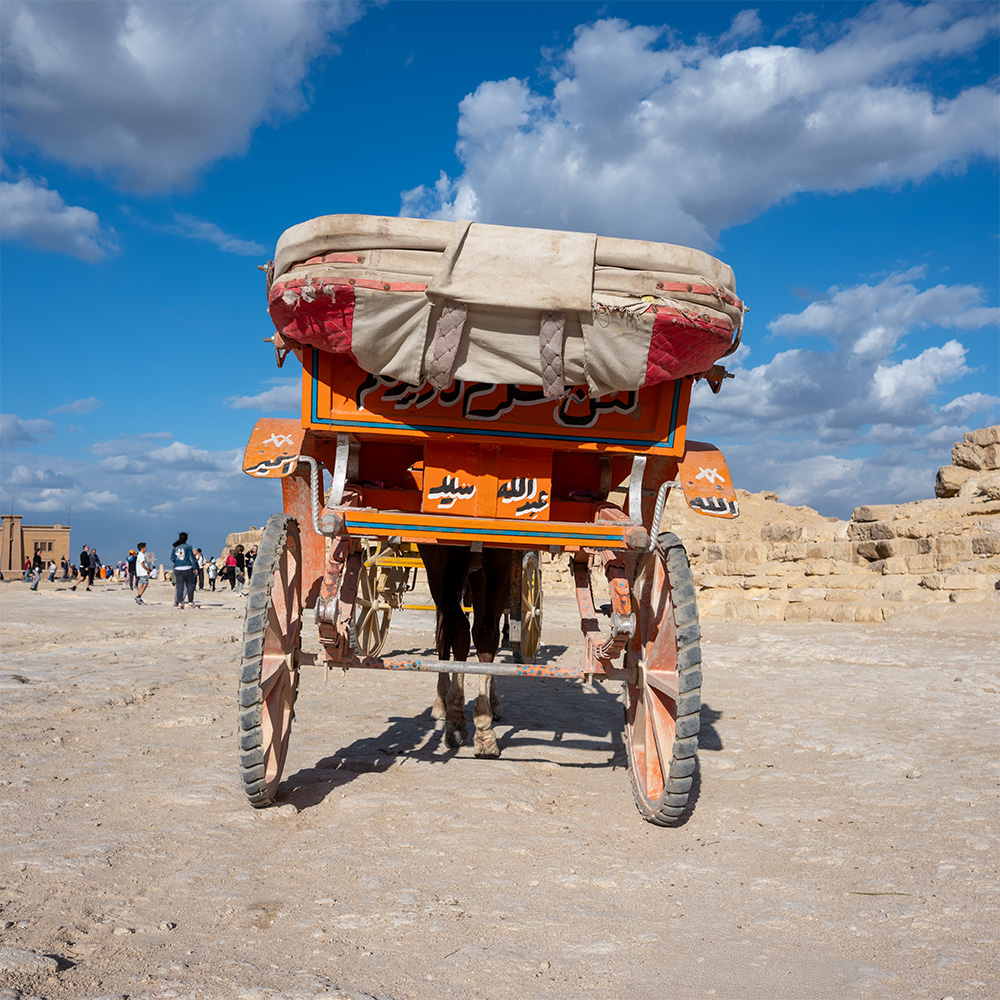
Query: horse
x=453, y=572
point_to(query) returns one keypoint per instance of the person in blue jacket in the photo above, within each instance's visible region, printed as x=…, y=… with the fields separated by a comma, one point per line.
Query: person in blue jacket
x=185, y=567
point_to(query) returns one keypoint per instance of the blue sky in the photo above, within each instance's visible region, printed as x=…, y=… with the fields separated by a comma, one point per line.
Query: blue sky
x=841, y=157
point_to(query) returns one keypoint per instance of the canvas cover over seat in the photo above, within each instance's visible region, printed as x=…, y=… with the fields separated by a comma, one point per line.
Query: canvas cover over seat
x=429, y=301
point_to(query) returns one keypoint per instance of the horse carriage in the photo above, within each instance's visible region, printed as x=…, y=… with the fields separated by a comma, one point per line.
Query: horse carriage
x=479, y=393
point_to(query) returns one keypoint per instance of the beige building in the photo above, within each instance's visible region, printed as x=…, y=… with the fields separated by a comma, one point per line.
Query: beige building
x=18, y=541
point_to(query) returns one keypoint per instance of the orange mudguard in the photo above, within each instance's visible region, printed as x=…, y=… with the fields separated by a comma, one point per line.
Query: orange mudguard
x=274, y=448
x=708, y=487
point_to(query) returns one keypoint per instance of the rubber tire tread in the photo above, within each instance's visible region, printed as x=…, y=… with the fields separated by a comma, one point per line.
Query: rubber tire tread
x=251, y=738
x=688, y=633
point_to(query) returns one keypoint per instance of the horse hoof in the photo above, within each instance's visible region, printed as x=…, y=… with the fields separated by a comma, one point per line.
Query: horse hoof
x=486, y=746
x=455, y=736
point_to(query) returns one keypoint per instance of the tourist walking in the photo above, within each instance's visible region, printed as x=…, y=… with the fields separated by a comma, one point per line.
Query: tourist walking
x=231, y=569
x=132, y=575
x=85, y=573
x=95, y=565
x=241, y=571
x=65, y=568
x=201, y=568
x=213, y=572
x=185, y=567
x=250, y=560
x=141, y=572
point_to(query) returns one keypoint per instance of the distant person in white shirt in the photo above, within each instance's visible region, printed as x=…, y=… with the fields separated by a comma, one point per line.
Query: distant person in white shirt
x=141, y=572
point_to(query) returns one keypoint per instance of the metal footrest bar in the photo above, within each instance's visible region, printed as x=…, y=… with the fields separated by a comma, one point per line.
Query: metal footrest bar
x=501, y=668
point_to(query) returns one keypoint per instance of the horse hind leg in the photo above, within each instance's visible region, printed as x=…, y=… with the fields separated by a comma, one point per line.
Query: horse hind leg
x=456, y=731
x=485, y=741
x=439, y=708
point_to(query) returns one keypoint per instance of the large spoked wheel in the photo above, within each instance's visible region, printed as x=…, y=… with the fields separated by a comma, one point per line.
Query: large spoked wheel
x=663, y=700
x=372, y=609
x=527, y=601
x=269, y=671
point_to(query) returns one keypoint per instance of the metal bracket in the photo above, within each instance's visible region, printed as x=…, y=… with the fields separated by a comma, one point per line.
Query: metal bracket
x=345, y=467
x=635, y=489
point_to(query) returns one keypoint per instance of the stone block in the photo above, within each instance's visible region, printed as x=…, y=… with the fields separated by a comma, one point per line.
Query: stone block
x=872, y=550
x=800, y=594
x=984, y=436
x=820, y=567
x=747, y=552
x=986, y=544
x=912, y=594
x=967, y=455
x=781, y=532
x=960, y=581
x=851, y=581
x=790, y=552
x=948, y=551
x=991, y=456
x=713, y=552
x=971, y=597
x=869, y=613
x=798, y=613
x=949, y=480
x=849, y=596
x=842, y=613
x=770, y=611
x=981, y=484
x=870, y=531
x=874, y=512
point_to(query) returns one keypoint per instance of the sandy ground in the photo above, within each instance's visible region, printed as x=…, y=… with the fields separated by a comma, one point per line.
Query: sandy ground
x=843, y=841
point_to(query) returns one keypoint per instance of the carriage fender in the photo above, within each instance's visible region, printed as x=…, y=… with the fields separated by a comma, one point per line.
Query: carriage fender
x=705, y=480
x=274, y=448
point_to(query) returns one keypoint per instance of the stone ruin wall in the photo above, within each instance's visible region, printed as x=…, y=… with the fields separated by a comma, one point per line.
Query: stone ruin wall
x=782, y=563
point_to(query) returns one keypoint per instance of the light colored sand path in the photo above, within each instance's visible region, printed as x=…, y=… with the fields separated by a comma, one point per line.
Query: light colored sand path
x=843, y=842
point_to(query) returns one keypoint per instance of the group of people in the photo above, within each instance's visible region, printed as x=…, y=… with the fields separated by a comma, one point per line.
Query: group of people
x=190, y=565
x=190, y=569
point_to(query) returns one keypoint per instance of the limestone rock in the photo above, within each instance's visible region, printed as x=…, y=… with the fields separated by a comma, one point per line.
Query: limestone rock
x=967, y=455
x=984, y=436
x=981, y=484
x=950, y=479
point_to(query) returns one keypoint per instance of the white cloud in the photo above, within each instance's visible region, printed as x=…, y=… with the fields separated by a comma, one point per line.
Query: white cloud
x=34, y=213
x=79, y=406
x=284, y=395
x=41, y=479
x=208, y=232
x=646, y=137
x=876, y=411
x=135, y=486
x=152, y=92
x=17, y=433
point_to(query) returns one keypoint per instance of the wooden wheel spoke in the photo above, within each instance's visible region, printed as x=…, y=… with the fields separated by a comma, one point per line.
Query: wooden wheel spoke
x=665, y=682
x=273, y=670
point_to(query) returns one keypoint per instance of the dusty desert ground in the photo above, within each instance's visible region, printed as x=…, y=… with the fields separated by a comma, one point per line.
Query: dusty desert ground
x=843, y=842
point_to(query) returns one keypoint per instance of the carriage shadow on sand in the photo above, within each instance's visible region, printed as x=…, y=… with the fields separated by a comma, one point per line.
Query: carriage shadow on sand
x=580, y=725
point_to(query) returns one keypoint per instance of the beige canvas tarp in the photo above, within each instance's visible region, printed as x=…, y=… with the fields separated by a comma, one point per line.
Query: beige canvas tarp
x=436, y=300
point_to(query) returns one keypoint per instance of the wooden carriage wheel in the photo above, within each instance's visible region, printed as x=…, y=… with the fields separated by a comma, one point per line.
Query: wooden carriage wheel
x=372, y=609
x=524, y=607
x=269, y=674
x=663, y=703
